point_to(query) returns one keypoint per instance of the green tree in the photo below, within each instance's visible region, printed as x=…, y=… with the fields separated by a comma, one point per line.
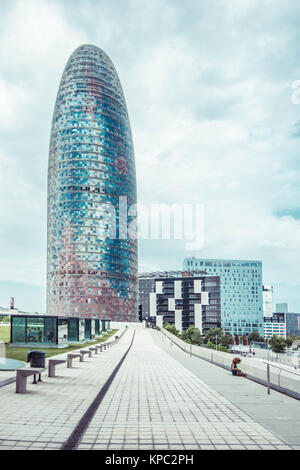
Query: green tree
x=290, y=339
x=226, y=341
x=192, y=335
x=5, y=319
x=211, y=345
x=278, y=344
x=171, y=328
x=255, y=336
x=214, y=335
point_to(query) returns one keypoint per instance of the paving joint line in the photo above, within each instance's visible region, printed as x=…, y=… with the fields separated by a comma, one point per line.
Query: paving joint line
x=74, y=439
x=30, y=442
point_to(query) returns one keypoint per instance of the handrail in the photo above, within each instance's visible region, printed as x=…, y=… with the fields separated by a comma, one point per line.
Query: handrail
x=281, y=368
x=190, y=352
x=196, y=355
x=267, y=383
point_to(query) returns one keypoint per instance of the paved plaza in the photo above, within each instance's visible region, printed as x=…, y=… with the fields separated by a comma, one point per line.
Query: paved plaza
x=156, y=401
x=44, y=417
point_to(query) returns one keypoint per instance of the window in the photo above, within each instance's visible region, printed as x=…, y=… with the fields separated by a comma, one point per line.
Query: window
x=18, y=325
x=35, y=330
x=50, y=330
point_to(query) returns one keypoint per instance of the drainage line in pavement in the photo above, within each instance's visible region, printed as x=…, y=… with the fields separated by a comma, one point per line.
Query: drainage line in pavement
x=262, y=382
x=74, y=439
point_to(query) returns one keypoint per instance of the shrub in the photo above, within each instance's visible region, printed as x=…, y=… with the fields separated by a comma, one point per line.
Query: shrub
x=171, y=328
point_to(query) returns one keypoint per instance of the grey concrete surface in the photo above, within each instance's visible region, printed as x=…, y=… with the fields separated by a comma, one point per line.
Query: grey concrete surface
x=276, y=412
x=156, y=402
x=45, y=416
x=160, y=399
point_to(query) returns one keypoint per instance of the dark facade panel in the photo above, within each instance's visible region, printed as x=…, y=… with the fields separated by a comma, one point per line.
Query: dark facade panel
x=292, y=324
x=188, y=299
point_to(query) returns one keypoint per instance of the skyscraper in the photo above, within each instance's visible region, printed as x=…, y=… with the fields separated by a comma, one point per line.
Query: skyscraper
x=241, y=292
x=92, y=260
x=268, y=301
x=282, y=308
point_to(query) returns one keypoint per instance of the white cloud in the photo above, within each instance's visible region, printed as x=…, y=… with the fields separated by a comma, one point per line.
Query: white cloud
x=209, y=97
x=12, y=99
x=36, y=33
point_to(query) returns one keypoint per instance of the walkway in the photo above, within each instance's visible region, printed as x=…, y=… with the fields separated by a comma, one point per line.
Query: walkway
x=45, y=417
x=154, y=402
x=277, y=412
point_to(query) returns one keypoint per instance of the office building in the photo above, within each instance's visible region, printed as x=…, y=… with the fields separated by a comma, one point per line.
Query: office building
x=147, y=285
x=185, y=300
x=268, y=301
x=292, y=324
x=275, y=325
x=92, y=260
x=282, y=308
x=241, y=292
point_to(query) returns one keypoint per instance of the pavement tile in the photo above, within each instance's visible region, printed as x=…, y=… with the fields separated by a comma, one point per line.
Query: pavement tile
x=154, y=402
x=186, y=412
x=51, y=410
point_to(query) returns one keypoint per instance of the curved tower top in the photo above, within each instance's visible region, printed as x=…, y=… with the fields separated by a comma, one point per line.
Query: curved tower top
x=92, y=265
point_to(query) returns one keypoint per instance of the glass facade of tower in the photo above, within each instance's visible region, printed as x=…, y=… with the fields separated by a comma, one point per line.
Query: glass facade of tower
x=241, y=292
x=292, y=324
x=92, y=262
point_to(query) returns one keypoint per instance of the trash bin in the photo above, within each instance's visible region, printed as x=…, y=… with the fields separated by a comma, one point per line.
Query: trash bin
x=37, y=359
x=116, y=337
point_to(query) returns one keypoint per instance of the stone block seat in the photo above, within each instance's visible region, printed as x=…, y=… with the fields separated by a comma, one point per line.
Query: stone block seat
x=72, y=356
x=21, y=377
x=86, y=351
x=93, y=348
x=52, y=363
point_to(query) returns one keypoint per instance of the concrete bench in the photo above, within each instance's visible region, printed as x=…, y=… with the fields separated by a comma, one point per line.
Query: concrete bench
x=94, y=349
x=21, y=378
x=72, y=356
x=52, y=364
x=84, y=351
x=99, y=347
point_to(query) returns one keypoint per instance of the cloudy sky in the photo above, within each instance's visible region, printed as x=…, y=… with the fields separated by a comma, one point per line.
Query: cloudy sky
x=215, y=120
